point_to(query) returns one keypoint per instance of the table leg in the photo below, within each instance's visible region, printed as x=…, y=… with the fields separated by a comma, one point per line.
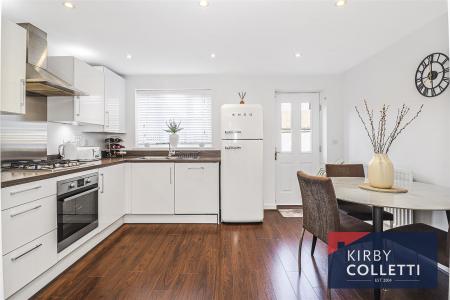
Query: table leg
x=377, y=220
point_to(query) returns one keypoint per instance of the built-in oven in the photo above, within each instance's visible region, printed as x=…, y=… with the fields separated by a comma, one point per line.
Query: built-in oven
x=77, y=208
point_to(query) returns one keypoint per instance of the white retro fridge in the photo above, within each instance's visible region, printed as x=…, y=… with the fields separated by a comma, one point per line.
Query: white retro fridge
x=242, y=163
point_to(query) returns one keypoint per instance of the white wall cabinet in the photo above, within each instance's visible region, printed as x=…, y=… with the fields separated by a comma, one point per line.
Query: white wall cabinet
x=152, y=190
x=13, y=68
x=114, y=102
x=197, y=188
x=83, y=109
x=111, y=195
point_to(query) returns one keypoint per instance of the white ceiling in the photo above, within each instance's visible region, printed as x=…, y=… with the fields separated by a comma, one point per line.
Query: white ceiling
x=252, y=37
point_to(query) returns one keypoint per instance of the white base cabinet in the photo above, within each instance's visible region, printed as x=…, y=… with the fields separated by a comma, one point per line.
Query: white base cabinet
x=29, y=261
x=197, y=188
x=111, y=199
x=152, y=188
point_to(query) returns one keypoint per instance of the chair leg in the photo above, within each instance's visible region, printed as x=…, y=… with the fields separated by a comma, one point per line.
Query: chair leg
x=300, y=252
x=313, y=246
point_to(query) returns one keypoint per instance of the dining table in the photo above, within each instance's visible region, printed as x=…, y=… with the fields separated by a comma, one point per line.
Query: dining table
x=419, y=196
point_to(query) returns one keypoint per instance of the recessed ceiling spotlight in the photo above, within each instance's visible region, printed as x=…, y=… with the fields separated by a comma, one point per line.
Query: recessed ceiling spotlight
x=340, y=3
x=213, y=55
x=298, y=55
x=129, y=56
x=204, y=3
x=69, y=4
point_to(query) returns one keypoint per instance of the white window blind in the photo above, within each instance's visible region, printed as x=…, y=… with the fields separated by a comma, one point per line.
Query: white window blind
x=190, y=107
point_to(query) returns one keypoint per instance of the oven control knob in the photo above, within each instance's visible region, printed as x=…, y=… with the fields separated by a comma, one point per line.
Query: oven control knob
x=88, y=181
x=72, y=185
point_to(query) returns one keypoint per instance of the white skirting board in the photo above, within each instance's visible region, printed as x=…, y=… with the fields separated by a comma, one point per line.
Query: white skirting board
x=270, y=206
x=168, y=219
x=46, y=277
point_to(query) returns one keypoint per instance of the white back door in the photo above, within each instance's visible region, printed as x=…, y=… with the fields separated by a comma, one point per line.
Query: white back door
x=298, y=138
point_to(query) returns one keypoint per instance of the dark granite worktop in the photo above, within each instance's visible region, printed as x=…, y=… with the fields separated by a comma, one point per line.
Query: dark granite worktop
x=15, y=177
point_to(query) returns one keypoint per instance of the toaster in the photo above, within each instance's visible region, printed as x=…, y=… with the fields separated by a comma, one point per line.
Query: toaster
x=89, y=153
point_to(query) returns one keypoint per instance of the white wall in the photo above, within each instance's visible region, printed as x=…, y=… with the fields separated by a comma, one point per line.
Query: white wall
x=260, y=89
x=388, y=77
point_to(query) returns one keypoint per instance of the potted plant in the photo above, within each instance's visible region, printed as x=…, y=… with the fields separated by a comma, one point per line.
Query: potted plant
x=172, y=128
x=381, y=169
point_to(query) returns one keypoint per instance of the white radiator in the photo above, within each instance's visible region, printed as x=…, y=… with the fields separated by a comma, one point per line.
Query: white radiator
x=402, y=178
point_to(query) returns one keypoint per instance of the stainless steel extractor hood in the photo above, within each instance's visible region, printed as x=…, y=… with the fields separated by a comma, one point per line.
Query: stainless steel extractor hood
x=40, y=82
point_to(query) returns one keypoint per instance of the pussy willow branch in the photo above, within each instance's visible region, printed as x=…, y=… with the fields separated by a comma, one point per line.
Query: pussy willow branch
x=367, y=130
x=394, y=136
x=377, y=137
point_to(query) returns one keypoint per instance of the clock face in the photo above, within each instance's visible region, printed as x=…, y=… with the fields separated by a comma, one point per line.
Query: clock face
x=432, y=75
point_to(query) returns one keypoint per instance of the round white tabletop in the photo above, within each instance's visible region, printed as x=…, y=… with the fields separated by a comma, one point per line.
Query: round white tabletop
x=420, y=196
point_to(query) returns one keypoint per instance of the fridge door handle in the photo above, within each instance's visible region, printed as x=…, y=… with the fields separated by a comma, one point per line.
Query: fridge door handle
x=233, y=147
x=232, y=131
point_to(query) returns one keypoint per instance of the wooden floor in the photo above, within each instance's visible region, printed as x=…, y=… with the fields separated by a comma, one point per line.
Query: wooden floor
x=204, y=261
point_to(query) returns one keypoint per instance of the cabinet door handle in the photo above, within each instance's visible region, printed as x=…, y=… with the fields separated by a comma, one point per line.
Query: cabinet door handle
x=25, y=190
x=107, y=122
x=23, y=91
x=103, y=182
x=25, y=211
x=170, y=175
x=199, y=168
x=26, y=252
x=78, y=105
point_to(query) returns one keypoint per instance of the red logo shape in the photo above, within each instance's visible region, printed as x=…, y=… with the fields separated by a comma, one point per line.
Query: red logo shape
x=343, y=237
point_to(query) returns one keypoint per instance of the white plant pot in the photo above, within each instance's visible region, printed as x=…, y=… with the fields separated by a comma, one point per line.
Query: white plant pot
x=173, y=140
x=381, y=171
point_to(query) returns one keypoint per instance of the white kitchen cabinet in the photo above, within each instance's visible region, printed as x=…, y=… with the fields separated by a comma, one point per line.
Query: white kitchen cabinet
x=29, y=261
x=114, y=102
x=16, y=228
x=197, y=188
x=111, y=195
x=152, y=188
x=85, y=78
x=13, y=68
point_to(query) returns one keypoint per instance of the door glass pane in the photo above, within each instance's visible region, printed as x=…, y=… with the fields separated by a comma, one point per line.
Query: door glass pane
x=305, y=110
x=306, y=141
x=286, y=141
x=286, y=125
x=285, y=115
x=305, y=127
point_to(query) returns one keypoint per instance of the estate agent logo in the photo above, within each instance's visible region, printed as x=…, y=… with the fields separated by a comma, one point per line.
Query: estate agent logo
x=382, y=260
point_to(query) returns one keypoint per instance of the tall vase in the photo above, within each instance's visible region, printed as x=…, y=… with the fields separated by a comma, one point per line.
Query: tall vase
x=173, y=140
x=381, y=171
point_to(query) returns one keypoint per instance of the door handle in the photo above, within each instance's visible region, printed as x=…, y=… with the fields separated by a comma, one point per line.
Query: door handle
x=276, y=155
x=170, y=175
x=25, y=211
x=23, y=90
x=79, y=105
x=26, y=252
x=25, y=190
x=103, y=182
x=80, y=194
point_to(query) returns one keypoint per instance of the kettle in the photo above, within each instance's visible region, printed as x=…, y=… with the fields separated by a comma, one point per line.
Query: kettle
x=68, y=151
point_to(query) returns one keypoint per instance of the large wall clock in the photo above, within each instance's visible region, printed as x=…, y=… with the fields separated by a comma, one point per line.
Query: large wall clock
x=432, y=75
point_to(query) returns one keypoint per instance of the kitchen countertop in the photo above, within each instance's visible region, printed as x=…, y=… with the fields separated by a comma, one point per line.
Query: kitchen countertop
x=15, y=177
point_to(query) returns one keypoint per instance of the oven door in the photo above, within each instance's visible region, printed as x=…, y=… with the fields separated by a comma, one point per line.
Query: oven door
x=77, y=215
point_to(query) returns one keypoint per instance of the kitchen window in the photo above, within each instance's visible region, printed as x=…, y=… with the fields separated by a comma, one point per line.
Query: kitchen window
x=154, y=108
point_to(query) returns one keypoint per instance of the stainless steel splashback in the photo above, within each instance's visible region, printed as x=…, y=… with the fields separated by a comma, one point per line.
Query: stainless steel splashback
x=25, y=137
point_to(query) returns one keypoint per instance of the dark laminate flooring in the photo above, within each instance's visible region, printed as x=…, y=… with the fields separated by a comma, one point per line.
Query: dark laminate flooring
x=206, y=261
